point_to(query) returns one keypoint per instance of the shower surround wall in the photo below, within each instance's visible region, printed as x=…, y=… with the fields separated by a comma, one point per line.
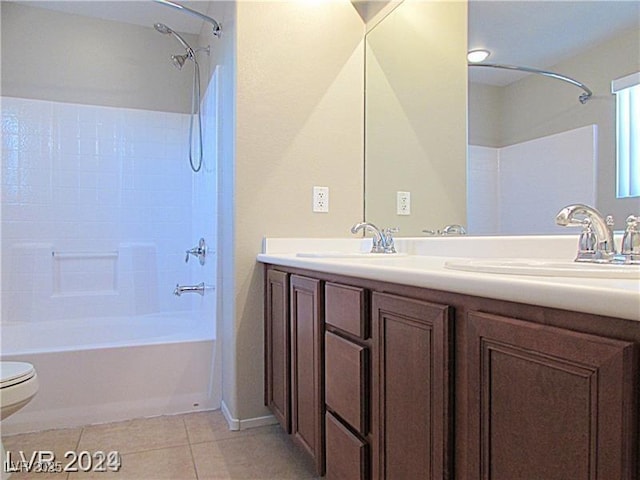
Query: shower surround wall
x=96, y=210
x=519, y=189
x=98, y=207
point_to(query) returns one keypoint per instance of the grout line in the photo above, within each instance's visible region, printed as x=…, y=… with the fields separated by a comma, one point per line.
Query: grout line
x=77, y=448
x=193, y=458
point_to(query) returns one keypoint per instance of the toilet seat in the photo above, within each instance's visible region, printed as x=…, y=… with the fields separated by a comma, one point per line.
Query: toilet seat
x=14, y=373
x=18, y=385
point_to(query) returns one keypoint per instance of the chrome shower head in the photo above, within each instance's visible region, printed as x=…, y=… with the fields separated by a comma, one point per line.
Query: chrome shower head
x=178, y=60
x=162, y=28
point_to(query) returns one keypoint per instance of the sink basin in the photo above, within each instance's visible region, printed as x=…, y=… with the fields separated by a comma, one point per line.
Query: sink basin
x=348, y=255
x=551, y=268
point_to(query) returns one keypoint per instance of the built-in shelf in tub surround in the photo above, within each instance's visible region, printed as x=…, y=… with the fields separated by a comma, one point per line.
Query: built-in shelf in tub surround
x=52, y=283
x=85, y=273
x=424, y=266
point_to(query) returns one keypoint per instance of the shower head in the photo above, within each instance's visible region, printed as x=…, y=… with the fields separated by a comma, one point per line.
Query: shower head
x=162, y=28
x=178, y=60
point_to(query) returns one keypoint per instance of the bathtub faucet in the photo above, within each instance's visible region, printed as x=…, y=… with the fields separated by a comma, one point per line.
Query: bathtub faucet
x=199, y=289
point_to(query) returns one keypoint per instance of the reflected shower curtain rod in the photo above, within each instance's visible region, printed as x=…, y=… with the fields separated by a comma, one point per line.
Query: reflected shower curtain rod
x=583, y=97
x=217, y=28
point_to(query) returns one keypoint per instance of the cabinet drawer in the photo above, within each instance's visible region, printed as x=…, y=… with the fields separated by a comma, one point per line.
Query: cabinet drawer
x=345, y=380
x=347, y=455
x=346, y=309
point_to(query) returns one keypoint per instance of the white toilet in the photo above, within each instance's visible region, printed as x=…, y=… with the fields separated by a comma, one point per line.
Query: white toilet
x=18, y=385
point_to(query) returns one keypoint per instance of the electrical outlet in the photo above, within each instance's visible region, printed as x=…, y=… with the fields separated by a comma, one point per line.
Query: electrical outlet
x=403, y=203
x=321, y=199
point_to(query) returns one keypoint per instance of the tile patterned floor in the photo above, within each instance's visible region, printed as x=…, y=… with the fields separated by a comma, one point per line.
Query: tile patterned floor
x=194, y=446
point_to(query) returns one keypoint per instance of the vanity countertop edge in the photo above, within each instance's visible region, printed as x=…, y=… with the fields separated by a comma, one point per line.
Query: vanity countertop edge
x=608, y=297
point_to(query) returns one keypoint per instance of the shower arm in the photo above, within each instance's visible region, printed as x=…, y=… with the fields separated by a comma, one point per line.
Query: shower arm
x=583, y=97
x=217, y=29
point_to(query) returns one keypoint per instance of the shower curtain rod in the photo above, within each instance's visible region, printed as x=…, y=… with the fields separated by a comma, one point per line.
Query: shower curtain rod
x=217, y=29
x=583, y=97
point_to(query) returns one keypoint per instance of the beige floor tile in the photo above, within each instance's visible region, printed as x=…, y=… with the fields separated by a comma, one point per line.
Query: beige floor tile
x=135, y=435
x=158, y=448
x=212, y=426
x=269, y=456
x=173, y=463
x=57, y=441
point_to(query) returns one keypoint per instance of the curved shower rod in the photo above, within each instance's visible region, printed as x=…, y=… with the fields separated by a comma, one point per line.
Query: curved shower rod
x=217, y=29
x=583, y=97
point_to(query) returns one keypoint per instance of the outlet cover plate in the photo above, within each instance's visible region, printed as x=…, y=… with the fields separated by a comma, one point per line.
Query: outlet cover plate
x=403, y=203
x=321, y=199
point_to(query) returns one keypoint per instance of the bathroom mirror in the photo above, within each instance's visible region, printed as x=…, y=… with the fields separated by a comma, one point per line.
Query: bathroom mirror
x=502, y=154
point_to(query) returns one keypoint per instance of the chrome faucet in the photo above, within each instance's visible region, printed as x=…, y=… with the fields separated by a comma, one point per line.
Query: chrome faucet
x=596, y=240
x=454, y=229
x=180, y=289
x=382, y=239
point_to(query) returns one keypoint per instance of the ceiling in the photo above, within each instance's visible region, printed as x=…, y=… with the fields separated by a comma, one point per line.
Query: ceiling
x=541, y=34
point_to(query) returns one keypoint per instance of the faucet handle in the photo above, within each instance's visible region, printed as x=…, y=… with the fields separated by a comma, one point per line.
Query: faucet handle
x=588, y=242
x=200, y=251
x=387, y=235
x=631, y=239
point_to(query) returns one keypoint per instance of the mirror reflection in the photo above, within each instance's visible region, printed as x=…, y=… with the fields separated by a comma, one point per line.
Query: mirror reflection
x=531, y=147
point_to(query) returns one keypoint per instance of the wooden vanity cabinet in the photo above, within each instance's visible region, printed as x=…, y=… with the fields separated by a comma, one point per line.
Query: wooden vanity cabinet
x=398, y=382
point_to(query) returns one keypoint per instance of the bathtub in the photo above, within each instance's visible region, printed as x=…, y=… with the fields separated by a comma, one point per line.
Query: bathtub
x=108, y=369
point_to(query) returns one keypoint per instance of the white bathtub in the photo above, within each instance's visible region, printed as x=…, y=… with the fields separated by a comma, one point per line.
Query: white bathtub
x=108, y=369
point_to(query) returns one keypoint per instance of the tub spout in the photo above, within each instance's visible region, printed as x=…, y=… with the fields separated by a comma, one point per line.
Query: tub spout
x=199, y=289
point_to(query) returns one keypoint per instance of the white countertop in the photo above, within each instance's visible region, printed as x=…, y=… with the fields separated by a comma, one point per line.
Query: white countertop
x=422, y=265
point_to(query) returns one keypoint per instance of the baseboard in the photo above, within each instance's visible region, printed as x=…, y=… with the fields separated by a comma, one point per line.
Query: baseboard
x=244, y=424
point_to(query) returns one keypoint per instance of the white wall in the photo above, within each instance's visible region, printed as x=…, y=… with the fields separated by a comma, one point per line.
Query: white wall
x=519, y=189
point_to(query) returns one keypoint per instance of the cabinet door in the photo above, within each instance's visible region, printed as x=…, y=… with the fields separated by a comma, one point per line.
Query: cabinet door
x=277, y=347
x=548, y=403
x=306, y=367
x=411, y=420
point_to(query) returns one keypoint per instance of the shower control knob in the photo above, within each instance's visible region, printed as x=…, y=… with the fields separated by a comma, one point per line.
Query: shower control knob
x=200, y=251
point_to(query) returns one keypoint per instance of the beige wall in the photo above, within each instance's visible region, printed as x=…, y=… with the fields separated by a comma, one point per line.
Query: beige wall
x=537, y=106
x=49, y=55
x=293, y=119
x=485, y=115
x=416, y=124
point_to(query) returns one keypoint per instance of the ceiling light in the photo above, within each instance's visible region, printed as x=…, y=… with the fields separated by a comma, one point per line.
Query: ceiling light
x=478, y=55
